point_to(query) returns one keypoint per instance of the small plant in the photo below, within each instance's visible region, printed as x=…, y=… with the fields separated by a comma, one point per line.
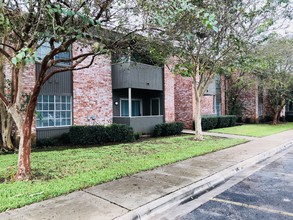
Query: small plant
x=9, y=175
x=137, y=135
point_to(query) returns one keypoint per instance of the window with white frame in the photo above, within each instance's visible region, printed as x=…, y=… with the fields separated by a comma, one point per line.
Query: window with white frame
x=54, y=111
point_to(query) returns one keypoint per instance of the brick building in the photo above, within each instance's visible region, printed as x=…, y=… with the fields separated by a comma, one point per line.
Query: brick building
x=101, y=95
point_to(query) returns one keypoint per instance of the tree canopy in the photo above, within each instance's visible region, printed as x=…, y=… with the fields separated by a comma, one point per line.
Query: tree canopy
x=204, y=34
x=101, y=26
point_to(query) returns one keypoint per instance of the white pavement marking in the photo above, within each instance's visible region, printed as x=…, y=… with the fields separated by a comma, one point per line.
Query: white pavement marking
x=252, y=207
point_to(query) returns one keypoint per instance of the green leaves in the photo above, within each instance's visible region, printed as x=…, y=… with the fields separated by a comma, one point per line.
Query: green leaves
x=209, y=20
x=14, y=61
x=20, y=55
x=25, y=56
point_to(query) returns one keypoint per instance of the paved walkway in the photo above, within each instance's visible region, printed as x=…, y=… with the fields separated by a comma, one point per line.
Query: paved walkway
x=185, y=131
x=120, y=197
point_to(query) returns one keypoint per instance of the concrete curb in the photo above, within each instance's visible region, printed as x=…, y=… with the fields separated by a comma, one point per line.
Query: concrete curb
x=198, y=188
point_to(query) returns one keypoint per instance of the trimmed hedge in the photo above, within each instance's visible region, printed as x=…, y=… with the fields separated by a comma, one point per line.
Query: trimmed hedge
x=61, y=140
x=211, y=122
x=233, y=120
x=289, y=118
x=98, y=134
x=168, y=129
x=91, y=135
x=223, y=122
x=120, y=133
x=46, y=142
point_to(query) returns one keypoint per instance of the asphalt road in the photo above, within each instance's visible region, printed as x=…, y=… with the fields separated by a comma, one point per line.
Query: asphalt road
x=266, y=194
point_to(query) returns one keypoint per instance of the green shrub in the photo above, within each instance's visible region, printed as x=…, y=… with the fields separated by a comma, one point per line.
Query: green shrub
x=64, y=139
x=157, y=130
x=120, y=133
x=97, y=134
x=289, y=118
x=88, y=135
x=167, y=129
x=137, y=135
x=233, y=120
x=267, y=118
x=224, y=121
x=46, y=142
x=209, y=122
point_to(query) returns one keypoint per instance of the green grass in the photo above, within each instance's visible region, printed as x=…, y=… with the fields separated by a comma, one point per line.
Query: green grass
x=255, y=130
x=59, y=171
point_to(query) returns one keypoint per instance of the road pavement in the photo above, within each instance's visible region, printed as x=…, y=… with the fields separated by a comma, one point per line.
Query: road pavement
x=266, y=194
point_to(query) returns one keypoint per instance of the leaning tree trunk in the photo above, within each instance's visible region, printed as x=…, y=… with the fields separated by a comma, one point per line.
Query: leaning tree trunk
x=275, y=116
x=25, y=127
x=24, y=167
x=279, y=112
x=6, y=131
x=6, y=118
x=275, y=119
x=197, y=118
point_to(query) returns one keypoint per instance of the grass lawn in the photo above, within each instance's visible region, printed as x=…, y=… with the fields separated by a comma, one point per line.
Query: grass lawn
x=59, y=171
x=255, y=130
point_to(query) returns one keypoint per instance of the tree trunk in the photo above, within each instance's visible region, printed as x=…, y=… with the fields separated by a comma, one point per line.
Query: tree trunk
x=6, y=119
x=6, y=129
x=275, y=119
x=23, y=167
x=197, y=119
x=279, y=111
x=6, y=135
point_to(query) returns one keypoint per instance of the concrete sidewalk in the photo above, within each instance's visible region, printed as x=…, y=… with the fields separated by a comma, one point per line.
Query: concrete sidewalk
x=185, y=131
x=145, y=193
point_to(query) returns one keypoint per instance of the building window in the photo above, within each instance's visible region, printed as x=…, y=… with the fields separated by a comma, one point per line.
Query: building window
x=136, y=105
x=155, y=106
x=45, y=49
x=54, y=111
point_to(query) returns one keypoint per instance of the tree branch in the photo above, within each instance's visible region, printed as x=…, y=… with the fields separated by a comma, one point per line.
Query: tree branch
x=7, y=55
x=9, y=46
x=73, y=67
x=4, y=100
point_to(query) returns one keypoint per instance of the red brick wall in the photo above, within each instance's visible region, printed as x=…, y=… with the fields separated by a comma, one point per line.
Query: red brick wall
x=169, y=81
x=29, y=80
x=207, y=105
x=249, y=98
x=185, y=102
x=92, y=91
